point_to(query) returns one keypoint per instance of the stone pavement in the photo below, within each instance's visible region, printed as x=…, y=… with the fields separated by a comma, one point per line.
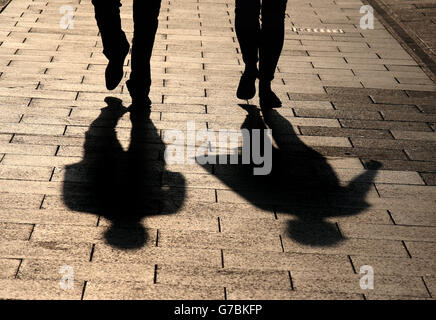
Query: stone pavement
x=415, y=23
x=350, y=98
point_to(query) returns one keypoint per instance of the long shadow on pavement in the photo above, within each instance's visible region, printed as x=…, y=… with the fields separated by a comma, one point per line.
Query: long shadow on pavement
x=122, y=186
x=301, y=183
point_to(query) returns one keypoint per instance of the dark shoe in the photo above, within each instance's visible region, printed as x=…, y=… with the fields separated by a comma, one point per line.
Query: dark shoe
x=247, y=85
x=139, y=97
x=114, y=70
x=267, y=98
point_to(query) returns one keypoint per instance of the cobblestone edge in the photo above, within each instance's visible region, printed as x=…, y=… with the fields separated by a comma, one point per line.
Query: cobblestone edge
x=406, y=37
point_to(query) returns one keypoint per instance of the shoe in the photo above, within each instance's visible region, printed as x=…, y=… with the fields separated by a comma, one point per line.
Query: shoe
x=114, y=70
x=139, y=98
x=267, y=98
x=247, y=85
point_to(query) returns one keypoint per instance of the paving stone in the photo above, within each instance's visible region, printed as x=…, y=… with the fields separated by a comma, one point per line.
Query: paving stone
x=31, y=129
x=40, y=216
x=44, y=250
x=345, y=132
x=38, y=290
x=5, y=137
x=26, y=173
x=369, y=296
x=336, y=114
x=15, y=231
x=396, y=266
x=392, y=144
x=384, y=99
x=412, y=135
x=215, y=210
x=419, y=249
x=367, y=152
x=332, y=98
x=366, y=92
x=157, y=255
x=386, y=125
x=368, y=247
x=38, y=160
x=427, y=108
x=8, y=268
x=86, y=271
x=429, y=178
x=217, y=240
x=389, y=232
x=255, y=279
x=383, y=285
x=30, y=187
x=408, y=217
x=382, y=176
x=139, y=290
x=404, y=165
x=26, y=149
x=430, y=282
x=10, y=200
x=73, y=233
x=404, y=191
x=254, y=294
x=285, y=261
x=400, y=116
x=420, y=154
x=409, y=109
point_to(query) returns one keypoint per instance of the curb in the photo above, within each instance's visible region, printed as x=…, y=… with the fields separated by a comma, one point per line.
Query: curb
x=4, y=4
x=408, y=40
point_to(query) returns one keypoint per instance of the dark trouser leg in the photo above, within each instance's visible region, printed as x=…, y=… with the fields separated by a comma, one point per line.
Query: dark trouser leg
x=107, y=14
x=145, y=18
x=248, y=30
x=272, y=37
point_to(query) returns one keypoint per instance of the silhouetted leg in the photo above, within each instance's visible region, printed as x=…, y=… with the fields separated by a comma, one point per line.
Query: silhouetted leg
x=248, y=30
x=272, y=37
x=271, y=44
x=115, y=44
x=107, y=14
x=145, y=17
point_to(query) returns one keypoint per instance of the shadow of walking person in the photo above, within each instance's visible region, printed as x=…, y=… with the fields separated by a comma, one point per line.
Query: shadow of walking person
x=301, y=182
x=121, y=186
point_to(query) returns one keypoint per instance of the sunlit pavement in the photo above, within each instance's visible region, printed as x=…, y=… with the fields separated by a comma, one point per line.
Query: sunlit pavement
x=354, y=96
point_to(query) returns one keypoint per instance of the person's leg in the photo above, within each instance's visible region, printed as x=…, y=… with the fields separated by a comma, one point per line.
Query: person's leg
x=145, y=17
x=272, y=36
x=115, y=44
x=107, y=15
x=271, y=44
x=248, y=30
